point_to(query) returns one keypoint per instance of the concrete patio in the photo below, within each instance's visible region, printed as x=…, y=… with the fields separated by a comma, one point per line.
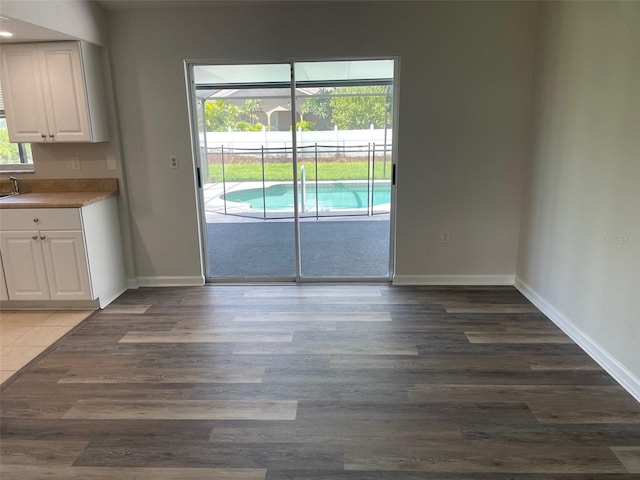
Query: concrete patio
x=345, y=247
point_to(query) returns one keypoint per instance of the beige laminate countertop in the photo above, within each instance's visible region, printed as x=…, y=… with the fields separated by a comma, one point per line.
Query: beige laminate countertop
x=54, y=199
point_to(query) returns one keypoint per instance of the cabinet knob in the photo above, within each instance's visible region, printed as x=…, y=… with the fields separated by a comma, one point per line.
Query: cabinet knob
x=43, y=136
x=35, y=237
x=36, y=220
x=43, y=237
x=51, y=135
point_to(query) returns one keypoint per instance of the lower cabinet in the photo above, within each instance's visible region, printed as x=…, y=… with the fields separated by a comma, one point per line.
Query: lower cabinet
x=62, y=254
x=45, y=265
x=65, y=259
x=3, y=285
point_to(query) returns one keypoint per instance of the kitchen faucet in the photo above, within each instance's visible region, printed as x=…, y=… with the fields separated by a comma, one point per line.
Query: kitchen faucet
x=16, y=188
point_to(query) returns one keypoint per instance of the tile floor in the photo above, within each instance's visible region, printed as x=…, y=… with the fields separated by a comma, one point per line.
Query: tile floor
x=26, y=334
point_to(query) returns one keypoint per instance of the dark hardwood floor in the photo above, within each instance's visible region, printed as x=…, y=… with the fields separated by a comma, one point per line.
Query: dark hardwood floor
x=318, y=382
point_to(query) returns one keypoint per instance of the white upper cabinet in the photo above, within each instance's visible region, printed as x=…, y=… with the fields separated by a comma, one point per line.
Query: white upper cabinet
x=53, y=92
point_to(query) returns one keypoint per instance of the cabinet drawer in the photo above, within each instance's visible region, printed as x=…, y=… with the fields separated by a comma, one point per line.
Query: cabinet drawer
x=40, y=219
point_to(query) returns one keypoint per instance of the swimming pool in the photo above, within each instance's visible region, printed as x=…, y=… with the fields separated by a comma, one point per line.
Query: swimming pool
x=330, y=196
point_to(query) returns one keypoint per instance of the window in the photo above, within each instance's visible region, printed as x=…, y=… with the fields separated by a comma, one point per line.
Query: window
x=14, y=157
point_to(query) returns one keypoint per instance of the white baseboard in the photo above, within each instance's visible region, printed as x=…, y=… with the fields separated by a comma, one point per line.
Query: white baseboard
x=195, y=281
x=453, y=279
x=49, y=304
x=619, y=372
x=132, y=283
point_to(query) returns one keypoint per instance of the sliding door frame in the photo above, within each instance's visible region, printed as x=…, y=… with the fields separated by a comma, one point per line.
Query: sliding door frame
x=294, y=151
x=198, y=169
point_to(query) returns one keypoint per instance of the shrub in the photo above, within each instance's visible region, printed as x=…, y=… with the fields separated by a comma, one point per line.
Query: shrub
x=305, y=126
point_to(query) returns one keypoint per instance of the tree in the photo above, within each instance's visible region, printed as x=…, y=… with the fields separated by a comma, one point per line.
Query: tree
x=318, y=106
x=352, y=109
x=250, y=109
x=220, y=115
x=8, y=151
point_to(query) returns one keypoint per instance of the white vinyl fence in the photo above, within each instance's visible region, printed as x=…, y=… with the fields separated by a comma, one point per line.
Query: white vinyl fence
x=345, y=139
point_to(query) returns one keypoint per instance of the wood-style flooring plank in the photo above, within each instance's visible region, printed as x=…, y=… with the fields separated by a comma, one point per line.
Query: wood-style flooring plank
x=40, y=452
x=555, y=434
x=517, y=338
x=183, y=410
x=314, y=317
x=463, y=307
x=340, y=432
x=320, y=292
x=430, y=363
x=321, y=348
x=205, y=337
x=193, y=375
x=549, y=403
x=303, y=474
x=629, y=456
x=115, y=309
x=22, y=472
x=136, y=452
x=565, y=362
x=505, y=458
x=81, y=430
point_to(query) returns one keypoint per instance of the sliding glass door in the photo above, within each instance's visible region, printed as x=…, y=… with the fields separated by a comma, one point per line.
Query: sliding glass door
x=247, y=175
x=295, y=167
x=344, y=150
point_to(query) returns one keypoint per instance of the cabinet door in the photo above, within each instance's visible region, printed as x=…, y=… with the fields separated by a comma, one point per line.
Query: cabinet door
x=24, y=265
x=3, y=285
x=23, y=95
x=66, y=265
x=64, y=92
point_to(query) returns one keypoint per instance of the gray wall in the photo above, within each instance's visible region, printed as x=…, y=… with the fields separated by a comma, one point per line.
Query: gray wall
x=465, y=86
x=580, y=244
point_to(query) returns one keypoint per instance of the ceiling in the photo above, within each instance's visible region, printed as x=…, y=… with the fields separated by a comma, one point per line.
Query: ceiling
x=28, y=32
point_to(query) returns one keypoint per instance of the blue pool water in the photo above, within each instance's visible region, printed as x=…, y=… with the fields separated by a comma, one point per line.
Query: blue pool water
x=330, y=196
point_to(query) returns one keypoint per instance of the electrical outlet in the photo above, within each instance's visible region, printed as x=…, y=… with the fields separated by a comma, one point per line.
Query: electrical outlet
x=74, y=163
x=444, y=237
x=111, y=162
x=173, y=161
